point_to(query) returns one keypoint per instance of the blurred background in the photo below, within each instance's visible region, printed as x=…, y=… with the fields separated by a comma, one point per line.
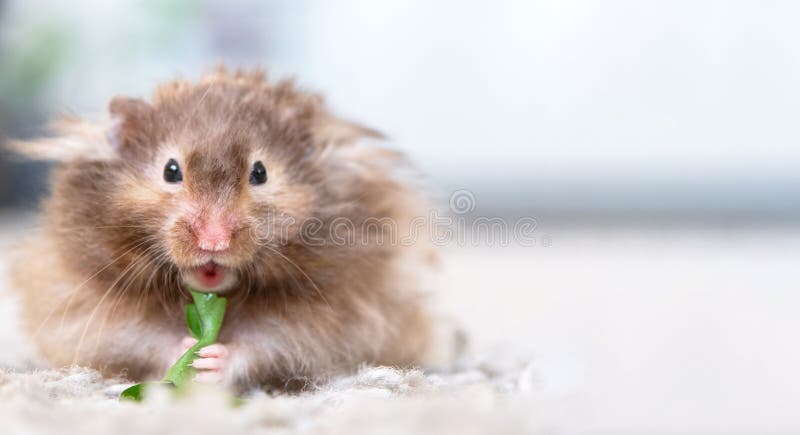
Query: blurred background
x=623, y=109
x=656, y=142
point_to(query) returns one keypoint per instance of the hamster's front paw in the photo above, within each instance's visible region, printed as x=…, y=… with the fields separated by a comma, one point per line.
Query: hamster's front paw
x=211, y=362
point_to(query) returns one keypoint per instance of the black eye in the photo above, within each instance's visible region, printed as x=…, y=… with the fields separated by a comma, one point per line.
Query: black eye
x=172, y=172
x=259, y=174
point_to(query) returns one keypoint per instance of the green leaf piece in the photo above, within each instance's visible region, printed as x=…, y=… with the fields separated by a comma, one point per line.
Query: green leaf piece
x=193, y=321
x=133, y=393
x=204, y=318
x=137, y=392
x=211, y=312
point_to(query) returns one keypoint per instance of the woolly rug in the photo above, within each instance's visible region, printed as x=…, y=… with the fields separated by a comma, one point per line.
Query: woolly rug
x=475, y=395
x=470, y=399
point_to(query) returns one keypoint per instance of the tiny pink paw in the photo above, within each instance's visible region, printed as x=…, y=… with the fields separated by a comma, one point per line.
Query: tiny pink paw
x=211, y=363
x=186, y=344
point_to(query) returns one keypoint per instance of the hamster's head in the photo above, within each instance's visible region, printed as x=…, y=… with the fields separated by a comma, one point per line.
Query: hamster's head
x=204, y=182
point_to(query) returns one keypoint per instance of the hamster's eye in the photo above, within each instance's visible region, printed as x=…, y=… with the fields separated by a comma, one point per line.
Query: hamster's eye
x=259, y=174
x=172, y=172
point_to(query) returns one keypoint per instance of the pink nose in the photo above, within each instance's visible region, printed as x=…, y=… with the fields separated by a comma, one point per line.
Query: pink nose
x=212, y=234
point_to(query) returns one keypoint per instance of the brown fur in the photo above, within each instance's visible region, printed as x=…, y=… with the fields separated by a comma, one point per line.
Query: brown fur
x=100, y=282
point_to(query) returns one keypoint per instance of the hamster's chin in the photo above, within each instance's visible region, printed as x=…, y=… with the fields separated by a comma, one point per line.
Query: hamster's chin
x=210, y=278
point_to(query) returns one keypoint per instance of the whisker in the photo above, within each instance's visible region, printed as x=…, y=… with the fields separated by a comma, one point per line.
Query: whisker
x=74, y=291
x=97, y=308
x=159, y=262
x=141, y=266
x=300, y=269
x=147, y=254
x=101, y=227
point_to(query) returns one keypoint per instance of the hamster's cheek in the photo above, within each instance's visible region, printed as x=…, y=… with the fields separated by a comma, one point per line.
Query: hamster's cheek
x=281, y=209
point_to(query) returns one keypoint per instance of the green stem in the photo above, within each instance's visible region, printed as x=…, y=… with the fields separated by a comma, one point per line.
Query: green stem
x=204, y=319
x=211, y=310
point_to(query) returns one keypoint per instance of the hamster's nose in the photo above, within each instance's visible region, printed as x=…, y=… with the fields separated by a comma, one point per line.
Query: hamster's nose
x=212, y=234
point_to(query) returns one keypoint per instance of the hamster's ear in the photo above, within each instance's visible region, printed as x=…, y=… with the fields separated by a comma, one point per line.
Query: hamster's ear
x=133, y=126
x=71, y=139
x=329, y=130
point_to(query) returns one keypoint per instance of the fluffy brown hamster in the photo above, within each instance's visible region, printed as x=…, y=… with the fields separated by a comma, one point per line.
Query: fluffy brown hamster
x=236, y=185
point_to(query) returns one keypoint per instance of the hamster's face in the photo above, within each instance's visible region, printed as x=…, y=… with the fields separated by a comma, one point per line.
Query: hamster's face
x=218, y=202
x=210, y=185
x=215, y=183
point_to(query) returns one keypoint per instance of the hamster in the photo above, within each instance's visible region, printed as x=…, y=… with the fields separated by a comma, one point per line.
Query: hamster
x=236, y=185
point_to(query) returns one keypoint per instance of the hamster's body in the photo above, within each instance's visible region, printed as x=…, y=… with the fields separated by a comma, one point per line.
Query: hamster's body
x=232, y=185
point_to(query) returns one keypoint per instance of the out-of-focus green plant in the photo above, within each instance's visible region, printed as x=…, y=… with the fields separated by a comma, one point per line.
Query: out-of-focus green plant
x=27, y=65
x=34, y=50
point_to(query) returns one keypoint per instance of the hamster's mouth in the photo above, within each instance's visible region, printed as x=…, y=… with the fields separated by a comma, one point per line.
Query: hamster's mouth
x=210, y=278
